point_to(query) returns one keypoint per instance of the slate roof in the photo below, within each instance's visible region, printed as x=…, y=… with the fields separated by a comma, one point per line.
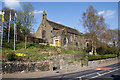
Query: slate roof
x=60, y=26
x=87, y=35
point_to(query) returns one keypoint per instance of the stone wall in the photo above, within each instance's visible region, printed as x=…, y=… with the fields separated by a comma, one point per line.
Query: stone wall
x=53, y=63
x=98, y=62
x=11, y=67
x=59, y=61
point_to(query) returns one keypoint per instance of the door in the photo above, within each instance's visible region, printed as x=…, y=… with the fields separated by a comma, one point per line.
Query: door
x=56, y=43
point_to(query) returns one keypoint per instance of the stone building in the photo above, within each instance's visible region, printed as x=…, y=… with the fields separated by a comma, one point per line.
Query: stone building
x=60, y=35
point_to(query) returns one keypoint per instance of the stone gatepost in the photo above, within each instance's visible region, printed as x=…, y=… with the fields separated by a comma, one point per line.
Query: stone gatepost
x=61, y=63
x=81, y=61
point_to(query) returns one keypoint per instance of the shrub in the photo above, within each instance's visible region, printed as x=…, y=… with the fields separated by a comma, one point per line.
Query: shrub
x=11, y=56
x=36, y=58
x=94, y=57
x=112, y=50
x=98, y=57
x=101, y=50
x=88, y=49
x=41, y=58
x=48, y=45
x=107, y=50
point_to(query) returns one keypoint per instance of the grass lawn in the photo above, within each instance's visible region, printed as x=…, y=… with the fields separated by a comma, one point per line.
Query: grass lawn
x=33, y=49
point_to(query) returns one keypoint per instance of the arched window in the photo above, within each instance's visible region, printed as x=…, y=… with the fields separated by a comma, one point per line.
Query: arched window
x=64, y=41
x=43, y=33
x=70, y=38
x=87, y=44
x=76, y=39
x=76, y=43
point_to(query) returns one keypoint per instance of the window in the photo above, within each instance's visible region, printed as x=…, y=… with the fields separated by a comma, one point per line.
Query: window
x=76, y=39
x=70, y=38
x=43, y=33
x=64, y=41
x=76, y=43
x=87, y=44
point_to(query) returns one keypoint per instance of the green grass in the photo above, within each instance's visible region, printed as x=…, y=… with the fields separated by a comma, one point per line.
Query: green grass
x=70, y=51
x=33, y=48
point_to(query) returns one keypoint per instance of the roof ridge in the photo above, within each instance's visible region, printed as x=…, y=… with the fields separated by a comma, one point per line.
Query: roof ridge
x=62, y=25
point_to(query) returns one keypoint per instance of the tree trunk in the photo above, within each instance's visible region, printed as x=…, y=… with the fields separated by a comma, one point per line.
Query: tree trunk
x=92, y=48
x=25, y=41
x=95, y=51
x=95, y=48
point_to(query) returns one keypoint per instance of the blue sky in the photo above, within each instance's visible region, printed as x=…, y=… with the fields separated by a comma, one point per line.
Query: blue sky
x=70, y=13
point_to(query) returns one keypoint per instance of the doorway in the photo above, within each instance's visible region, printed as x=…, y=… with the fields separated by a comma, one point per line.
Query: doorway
x=56, y=43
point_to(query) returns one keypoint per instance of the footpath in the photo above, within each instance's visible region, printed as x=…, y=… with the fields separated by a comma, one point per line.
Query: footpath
x=41, y=74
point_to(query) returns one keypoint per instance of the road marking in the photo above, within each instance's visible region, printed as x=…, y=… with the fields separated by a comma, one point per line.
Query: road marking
x=98, y=73
x=89, y=74
x=102, y=68
x=104, y=73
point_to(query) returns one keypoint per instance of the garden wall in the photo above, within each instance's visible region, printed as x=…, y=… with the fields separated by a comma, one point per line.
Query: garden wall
x=97, y=62
x=11, y=67
x=59, y=62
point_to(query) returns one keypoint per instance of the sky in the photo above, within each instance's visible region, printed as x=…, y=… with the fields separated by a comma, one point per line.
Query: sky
x=70, y=13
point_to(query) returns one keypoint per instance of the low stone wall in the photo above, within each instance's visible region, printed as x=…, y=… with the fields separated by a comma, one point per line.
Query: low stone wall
x=97, y=62
x=56, y=61
x=52, y=63
x=11, y=67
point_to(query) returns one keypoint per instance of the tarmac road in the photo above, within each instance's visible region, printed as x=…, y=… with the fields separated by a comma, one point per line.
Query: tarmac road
x=111, y=72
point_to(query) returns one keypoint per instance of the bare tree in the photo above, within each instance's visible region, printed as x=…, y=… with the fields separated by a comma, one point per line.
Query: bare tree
x=94, y=24
x=27, y=20
x=110, y=37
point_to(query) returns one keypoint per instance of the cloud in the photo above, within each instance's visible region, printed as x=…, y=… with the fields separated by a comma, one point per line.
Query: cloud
x=108, y=13
x=101, y=12
x=37, y=12
x=12, y=4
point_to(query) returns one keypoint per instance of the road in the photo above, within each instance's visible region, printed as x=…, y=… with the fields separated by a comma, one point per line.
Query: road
x=111, y=72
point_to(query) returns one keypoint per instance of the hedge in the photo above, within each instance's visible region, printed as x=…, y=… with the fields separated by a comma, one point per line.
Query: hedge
x=98, y=57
